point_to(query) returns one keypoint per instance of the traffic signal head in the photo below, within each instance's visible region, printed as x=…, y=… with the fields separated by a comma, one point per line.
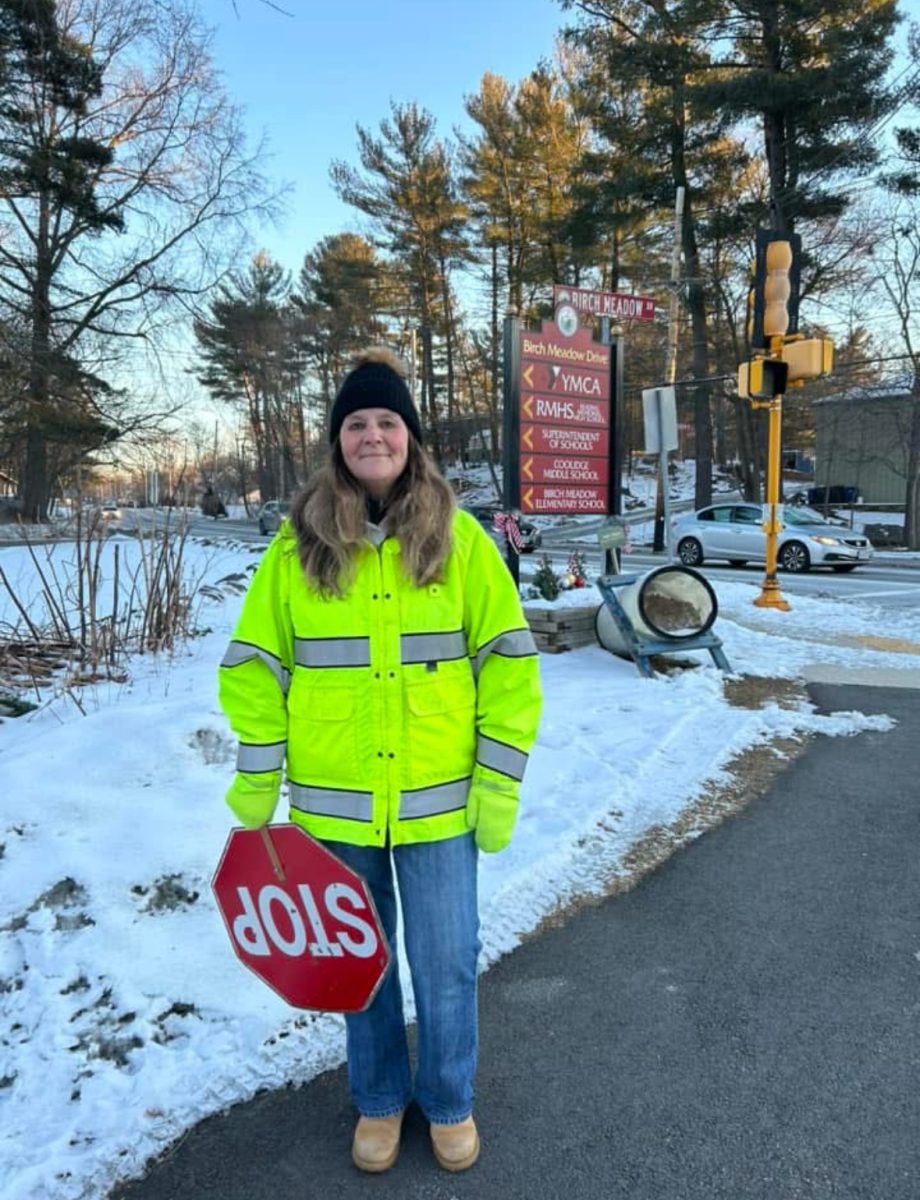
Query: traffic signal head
x=808, y=359
x=773, y=303
x=762, y=379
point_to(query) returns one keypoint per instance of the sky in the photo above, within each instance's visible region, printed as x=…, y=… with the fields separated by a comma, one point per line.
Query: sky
x=306, y=80
x=125, y=1017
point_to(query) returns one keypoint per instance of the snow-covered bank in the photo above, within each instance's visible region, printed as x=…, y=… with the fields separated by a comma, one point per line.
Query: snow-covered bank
x=124, y=1016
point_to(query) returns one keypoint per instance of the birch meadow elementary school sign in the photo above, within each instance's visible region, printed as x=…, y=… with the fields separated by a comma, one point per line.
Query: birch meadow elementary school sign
x=564, y=419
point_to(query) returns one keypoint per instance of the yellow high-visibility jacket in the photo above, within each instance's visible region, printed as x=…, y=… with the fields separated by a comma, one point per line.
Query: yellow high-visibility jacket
x=394, y=707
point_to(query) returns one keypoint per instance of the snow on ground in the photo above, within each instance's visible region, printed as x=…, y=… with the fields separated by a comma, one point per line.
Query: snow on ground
x=124, y=1016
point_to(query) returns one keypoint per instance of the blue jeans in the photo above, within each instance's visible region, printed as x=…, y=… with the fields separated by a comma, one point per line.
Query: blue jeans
x=437, y=889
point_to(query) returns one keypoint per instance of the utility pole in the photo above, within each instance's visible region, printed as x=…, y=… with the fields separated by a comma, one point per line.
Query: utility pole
x=670, y=360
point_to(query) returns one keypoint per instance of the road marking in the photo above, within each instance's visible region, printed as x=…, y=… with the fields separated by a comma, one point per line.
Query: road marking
x=889, y=592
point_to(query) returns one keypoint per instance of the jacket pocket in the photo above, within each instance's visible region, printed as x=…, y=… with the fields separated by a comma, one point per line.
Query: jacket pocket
x=440, y=729
x=322, y=735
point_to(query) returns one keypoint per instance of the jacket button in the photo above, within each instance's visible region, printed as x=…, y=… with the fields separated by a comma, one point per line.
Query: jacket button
x=386, y=596
x=376, y=674
x=392, y=674
x=374, y=597
x=380, y=754
x=391, y=755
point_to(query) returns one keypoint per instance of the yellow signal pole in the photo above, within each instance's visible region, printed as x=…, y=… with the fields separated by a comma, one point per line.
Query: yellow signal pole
x=770, y=594
x=790, y=361
x=777, y=290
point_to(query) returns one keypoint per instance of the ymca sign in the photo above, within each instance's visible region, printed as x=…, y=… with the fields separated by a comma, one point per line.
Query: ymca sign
x=300, y=919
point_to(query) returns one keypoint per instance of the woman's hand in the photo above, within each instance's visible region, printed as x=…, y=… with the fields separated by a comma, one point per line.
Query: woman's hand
x=492, y=811
x=253, y=798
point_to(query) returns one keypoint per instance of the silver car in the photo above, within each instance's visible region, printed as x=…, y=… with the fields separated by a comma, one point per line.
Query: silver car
x=734, y=532
x=271, y=514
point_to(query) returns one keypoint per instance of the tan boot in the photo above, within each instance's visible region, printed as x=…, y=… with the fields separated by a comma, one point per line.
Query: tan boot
x=456, y=1147
x=376, y=1142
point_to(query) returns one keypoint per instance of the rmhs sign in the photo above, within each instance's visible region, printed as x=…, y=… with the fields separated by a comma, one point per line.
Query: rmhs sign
x=306, y=926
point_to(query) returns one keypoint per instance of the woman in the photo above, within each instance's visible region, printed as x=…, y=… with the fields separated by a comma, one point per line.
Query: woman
x=382, y=653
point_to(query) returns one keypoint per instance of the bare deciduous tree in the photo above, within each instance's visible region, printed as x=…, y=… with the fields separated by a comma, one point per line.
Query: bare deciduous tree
x=123, y=176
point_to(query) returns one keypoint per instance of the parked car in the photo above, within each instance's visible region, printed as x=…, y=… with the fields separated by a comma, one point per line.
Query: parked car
x=110, y=511
x=828, y=494
x=271, y=514
x=485, y=515
x=735, y=532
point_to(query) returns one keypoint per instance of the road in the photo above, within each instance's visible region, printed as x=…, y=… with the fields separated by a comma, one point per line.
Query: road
x=874, y=583
x=896, y=587
x=742, y=1025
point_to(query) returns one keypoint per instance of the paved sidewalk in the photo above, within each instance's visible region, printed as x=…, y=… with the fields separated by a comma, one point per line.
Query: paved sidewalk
x=743, y=1025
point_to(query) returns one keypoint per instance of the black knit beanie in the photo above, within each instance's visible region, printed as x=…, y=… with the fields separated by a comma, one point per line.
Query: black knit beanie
x=374, y=385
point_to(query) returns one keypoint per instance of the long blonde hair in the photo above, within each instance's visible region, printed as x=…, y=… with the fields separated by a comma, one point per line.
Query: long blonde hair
x=330, y=519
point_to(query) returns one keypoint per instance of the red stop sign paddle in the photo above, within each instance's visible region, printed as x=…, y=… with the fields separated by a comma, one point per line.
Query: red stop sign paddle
x=301, y=919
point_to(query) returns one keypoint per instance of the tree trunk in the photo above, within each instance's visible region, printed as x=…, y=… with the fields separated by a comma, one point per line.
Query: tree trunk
x=302, y=439
x=429, y=403
x=748, y=455
x=774, y=125
x=696, y=303
x=36, y=486
x=702, y=411
x=449, y=343
x=495, y=399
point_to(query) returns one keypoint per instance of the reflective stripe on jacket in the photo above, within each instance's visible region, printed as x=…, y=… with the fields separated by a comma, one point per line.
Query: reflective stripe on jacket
x=389, y=704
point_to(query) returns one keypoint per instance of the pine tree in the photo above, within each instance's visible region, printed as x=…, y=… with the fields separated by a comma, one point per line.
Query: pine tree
x=812, y=73
x=251, y=346
x=519, y=177
x=545, y=580
x=407, y=187
x=46, y=169
x=345, y=296
x=656, y=52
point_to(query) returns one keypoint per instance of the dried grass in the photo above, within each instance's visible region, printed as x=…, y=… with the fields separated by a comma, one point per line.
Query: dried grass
x=87, y=625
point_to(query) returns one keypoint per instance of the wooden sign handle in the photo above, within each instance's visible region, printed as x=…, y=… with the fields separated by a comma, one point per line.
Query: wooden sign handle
x=272, y=854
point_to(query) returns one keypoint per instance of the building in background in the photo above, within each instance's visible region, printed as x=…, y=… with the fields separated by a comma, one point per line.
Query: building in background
x=861, y=440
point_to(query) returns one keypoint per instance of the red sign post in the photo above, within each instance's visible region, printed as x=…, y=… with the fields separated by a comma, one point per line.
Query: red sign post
x=300, y=919
x=564, y=421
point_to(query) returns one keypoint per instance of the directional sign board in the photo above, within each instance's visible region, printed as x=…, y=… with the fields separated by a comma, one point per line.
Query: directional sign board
x=564, y=420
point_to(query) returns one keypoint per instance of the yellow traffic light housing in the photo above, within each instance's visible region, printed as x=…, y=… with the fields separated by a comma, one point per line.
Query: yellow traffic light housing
x=809, y=358
x=762, y=379
x=777, y=289
x=773, y=303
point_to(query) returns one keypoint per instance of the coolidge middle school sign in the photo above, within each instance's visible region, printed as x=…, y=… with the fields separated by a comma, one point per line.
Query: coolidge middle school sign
x=564, y=442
